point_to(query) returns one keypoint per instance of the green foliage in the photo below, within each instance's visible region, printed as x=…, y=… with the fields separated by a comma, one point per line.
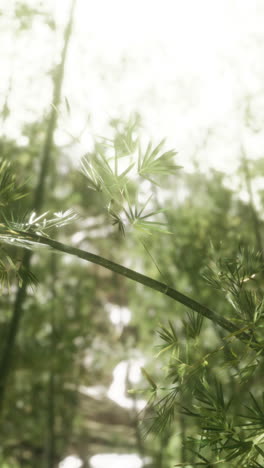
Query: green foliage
x=117, y=186
x=169, y=336
x=40, y=225
x=236, y=278
x=125, y=139
x=151, y=165
x=224, y=433
x=201, y=368
x=14, y=226
x=10, y=270
x=230, y=434
x=10, y=190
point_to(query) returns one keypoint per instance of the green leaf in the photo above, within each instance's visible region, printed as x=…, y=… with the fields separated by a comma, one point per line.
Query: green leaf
x=150, y=164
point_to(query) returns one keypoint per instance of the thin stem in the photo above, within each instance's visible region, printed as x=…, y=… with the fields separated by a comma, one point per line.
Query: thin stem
x=142, y=279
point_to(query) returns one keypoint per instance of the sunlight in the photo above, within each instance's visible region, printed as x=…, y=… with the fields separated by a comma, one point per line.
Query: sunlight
x=182, y=84
x=118, y=315
x=117, y=390
x=113, y=460
x=71, y=462
x=175, y=67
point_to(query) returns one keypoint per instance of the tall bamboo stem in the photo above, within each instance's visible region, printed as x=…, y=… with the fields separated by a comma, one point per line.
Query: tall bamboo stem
x=38, y=200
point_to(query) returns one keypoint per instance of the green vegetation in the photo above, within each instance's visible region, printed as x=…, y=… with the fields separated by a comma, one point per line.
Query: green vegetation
x=71, y=240
x=206, y=366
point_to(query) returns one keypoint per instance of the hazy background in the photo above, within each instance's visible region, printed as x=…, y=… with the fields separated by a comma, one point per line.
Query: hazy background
x=191, y=69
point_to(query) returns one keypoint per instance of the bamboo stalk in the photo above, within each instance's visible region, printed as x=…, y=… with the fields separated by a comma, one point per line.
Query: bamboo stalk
x=142, y=279
x=38, y=199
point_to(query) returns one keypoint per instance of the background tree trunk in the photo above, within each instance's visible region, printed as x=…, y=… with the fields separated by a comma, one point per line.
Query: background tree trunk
x=38, y=201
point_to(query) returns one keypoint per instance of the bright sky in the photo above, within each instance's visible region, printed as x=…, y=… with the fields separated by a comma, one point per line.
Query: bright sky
x=187, y=67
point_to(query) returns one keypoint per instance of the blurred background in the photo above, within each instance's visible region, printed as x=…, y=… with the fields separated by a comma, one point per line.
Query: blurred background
x=74, y=71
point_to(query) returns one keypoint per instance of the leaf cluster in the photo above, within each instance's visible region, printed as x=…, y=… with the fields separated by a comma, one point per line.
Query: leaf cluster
x=225, y=435
x=14, y=228
x=10, y=189
x=236, y=277
x=111, y=170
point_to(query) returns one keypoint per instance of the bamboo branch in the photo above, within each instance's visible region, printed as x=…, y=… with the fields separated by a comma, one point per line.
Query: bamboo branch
x=139, y=278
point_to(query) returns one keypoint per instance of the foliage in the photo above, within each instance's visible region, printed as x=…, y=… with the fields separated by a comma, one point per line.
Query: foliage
x=9, y=189
x=197, y=374
x=205, y=386
x=230, y=434
x=103, y=174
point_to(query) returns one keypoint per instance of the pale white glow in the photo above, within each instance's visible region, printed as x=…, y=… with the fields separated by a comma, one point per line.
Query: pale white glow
x=71, y=462
x=182, y=73
x=119, y=316
x=124, y=371
x=78, y=237
x=96, y=391
x=114, y=460
x=186, y=67
x=117, y=390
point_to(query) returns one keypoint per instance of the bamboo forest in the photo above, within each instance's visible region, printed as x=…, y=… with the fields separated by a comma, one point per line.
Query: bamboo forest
x=131, y=234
